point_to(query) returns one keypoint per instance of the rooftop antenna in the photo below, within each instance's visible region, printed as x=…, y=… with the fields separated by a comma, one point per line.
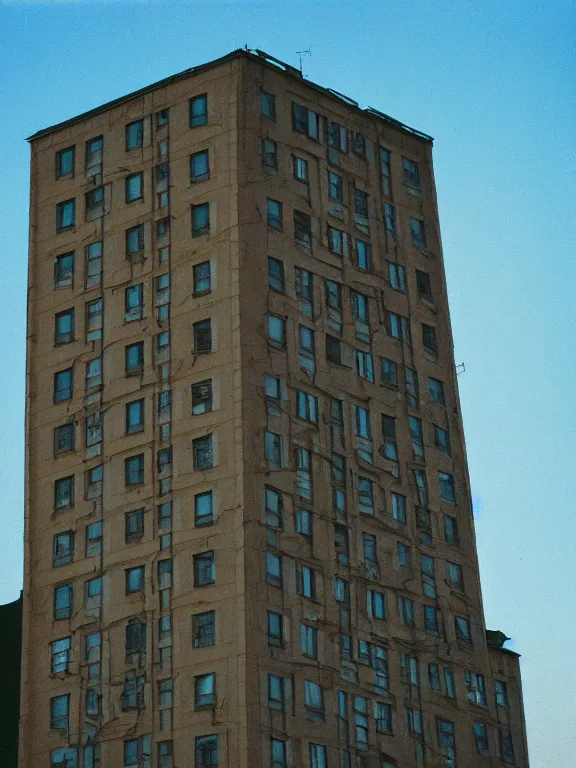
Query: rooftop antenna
x=301, y=54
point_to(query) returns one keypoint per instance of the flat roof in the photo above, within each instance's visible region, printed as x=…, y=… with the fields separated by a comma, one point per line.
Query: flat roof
x=255, y=55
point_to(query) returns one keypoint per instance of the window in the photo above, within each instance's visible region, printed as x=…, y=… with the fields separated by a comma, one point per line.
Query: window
x=304, y=522
x=429, y=341
x=135, y=637
x=59, y=706
x=202, y=397
x=65, y=162
x=202, y=333
x=202, y=278
x=200, y=219
x=417, y=233
x=133, y=698
x=399, y=508
x=306, y=581
x=63, y=601
x=389, y=436
x=337, y=241
x=134, y=470
x=309, y=641
x=204, y=629
x=64, y=438
x=436, y=391
x=335, y=187
x=404, y=556
x=273, y=449
x=278, y=752
x=462, y=627
x=275, y=631
x=134, y=135
x=305, y=121
x=333, y=349
x=199, y=166
x=397, y=275
x=384, y=717
x=134, y=187
x=338, y=137
x=333, y=297
x=94, y=539
x=364, y=255
x=399, y=327
x=506, y=745
x=412, y=389
x=204, y=569
x=64, y=493
x=389, y=372
x=93, y=264
x=307, y=406
x=277, y=331
x=199, y=110
x=313, y=701
x=447, y=739
x=275, y=692
x=134, y=579
x=206, y=751
x=481, y=738
x=93, y=593
x=364, y=365
x=64, y=327
x=365, y=496
x=269, y=155
x=63, y=385
x=273, y=392
x=412, y=177
x=63, y=549
x=360, y=204
x=305, y=291
x=431, y=620
x=137, y=752
x=203, y=510
x=385, y=172
x=162, y=117
x=268, y=105
x=361, y=721
x=134, y=358
x=205, y=691
x=304, y=473
x=303, y=229
x=451, y=530
x=475, y=688
x=455, y=577
x=60, y=654
x=358, y=143
x=415, y=425
x=202, y=452
x=318, y=758
x=164, y=460
x=428, y=576
x=447, y=487
x=135, y=240
x=64, y=269
x=441, y=439
x=165, y=516
x=449, y=683
x=406, y=611
x=64, y=758
x=300, y=169
x=434, y=677
x=65, y=215
x=94, y=317
x=390, y=219
x=276, y=275
x=375, y=604
x=501, y=693
x=423, y=285
x=274, y=214
x=133, y=302
x=273, y=569
x=134, y=526
x=134, y=417
x=165, y=754
x=369, y=548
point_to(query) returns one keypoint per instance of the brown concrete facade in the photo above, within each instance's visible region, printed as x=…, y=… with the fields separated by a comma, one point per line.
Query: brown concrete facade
x=290, y=477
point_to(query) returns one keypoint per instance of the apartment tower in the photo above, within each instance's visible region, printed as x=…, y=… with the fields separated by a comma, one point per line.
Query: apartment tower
x=249, y=536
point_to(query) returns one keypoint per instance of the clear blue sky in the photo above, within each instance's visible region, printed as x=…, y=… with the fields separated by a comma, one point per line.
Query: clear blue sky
x=493, y=82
